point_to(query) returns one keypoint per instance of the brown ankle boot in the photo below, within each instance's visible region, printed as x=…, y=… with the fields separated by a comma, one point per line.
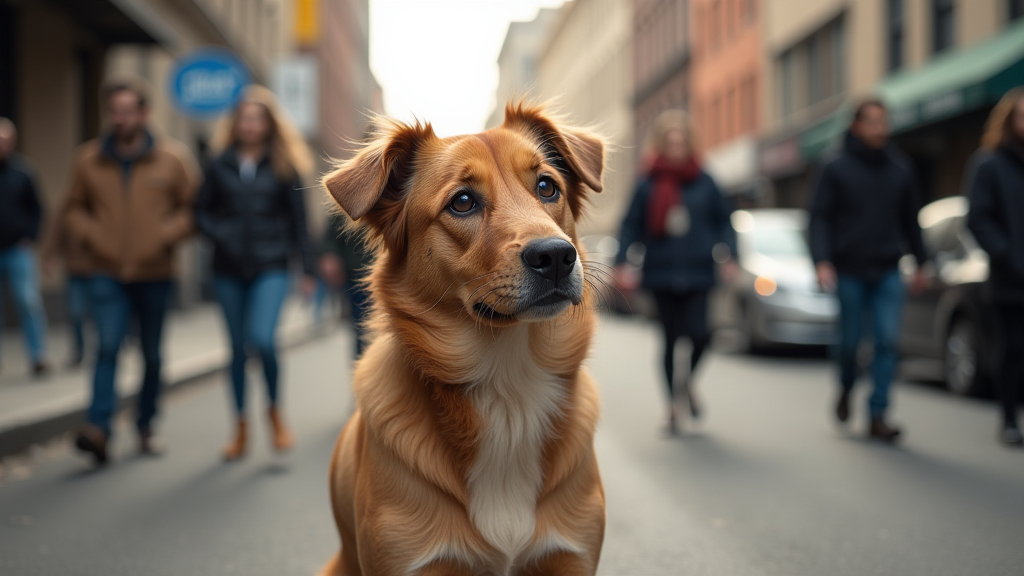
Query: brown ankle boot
x=236, y=449
x=283, y=439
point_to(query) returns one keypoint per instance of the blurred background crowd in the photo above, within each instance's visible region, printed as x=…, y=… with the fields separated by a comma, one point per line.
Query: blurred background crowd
x=769, y=84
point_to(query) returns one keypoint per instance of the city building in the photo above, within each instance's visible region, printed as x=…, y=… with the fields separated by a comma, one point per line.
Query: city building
x=661, y=58
x=517, y=61
x=55, y=55
x=940, y=65
x=585, y=69
x=349, y=92
x=726, y=66
x=332, y=42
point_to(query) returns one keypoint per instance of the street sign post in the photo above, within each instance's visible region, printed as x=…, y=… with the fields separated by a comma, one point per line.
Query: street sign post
x=207, y=82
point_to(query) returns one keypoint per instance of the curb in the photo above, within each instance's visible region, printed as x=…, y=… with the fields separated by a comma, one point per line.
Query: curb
x=20, y=438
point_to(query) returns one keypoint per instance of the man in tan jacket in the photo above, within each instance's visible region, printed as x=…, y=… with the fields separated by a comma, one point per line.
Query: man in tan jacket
x=130, y=204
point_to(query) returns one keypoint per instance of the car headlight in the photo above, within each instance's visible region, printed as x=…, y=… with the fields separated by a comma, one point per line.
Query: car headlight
x=765, y=286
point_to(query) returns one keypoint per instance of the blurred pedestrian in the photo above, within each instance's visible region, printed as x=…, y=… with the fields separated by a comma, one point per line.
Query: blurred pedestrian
x=997, y=221
x=20, y=215
x=58, y=244
x=681, y=217
x=251, y=207
x=344, y=261
x=863, y=214
x=130, y=203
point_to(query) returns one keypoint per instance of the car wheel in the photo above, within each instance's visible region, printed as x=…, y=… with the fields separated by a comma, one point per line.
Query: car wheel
x=962, y=370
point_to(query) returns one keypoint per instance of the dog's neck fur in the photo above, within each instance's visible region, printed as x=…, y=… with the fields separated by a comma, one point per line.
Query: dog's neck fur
x=517, y=402
x=516, y=380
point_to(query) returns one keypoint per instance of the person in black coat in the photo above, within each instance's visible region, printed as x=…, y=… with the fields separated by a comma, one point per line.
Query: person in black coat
x=683, y=221
x=863, y=220
x=997, y=221
x=251, y=207
x=344, y=261
x=20, y=216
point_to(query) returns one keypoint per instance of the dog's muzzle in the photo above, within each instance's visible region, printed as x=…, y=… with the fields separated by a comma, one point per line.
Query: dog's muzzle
x=551, y=282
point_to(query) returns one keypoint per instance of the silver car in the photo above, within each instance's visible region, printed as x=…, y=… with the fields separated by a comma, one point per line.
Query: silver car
x=775, y=296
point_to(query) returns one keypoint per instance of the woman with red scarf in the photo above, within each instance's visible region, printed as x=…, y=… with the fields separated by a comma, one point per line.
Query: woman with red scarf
x=682, y=220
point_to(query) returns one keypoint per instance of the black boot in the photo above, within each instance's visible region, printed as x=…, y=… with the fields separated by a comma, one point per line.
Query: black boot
x=880, y=430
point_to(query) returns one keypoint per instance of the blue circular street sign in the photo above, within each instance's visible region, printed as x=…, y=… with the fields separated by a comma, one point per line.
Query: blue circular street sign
x=207, y=82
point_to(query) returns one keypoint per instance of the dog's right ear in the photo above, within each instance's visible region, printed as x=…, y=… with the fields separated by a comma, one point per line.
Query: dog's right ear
x=371, y=186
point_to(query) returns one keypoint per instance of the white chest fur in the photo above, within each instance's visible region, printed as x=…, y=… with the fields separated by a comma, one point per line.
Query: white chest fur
x=517, y=402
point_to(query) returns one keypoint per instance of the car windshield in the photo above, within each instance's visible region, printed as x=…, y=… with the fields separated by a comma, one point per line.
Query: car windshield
x=780, y=242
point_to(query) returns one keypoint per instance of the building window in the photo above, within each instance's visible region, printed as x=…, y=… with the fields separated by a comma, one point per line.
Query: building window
x=731, y=20
x=895, y=34
x=682, y=9
x=838, y=60
x=1014, y=9
x=729, y=131
x=825, y=62
x=943, y=25
x=716, y=122
x=786, y=82
x=814, y=70
x=748, y=100
x=716, y=23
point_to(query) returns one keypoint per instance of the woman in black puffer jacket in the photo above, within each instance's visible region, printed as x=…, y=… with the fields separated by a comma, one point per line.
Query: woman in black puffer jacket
x=251, y=207
x=997, y=221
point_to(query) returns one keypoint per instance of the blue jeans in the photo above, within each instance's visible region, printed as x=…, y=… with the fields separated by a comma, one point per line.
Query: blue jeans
x=883, y=300
x=251, y=309
x=113, y=304
x=19, y=266
x=78, y=305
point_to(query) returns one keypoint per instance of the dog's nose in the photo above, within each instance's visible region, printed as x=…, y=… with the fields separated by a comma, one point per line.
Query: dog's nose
x=552, y=258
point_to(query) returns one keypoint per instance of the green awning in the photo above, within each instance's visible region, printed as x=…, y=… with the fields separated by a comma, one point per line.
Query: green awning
x=951, y=84
x=957, y=82
x=819, y=136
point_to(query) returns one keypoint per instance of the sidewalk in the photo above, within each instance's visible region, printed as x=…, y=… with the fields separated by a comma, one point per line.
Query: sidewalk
x=195, y=345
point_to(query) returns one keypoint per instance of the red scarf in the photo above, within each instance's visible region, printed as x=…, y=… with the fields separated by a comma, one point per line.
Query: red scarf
x=668, y=190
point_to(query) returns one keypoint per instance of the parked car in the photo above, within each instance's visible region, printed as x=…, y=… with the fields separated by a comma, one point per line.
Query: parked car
x=949, y=321
x=775, y=297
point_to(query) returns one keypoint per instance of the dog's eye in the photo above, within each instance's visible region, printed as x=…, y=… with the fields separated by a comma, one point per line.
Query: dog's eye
x=463, y=203
x=546, y=188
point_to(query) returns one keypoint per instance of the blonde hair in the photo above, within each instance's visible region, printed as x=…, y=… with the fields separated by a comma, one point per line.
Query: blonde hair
x=997, y=128
x=289, y=154
x=666, y=122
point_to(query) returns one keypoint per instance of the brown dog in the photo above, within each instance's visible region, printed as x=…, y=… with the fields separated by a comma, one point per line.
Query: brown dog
x=471, y=451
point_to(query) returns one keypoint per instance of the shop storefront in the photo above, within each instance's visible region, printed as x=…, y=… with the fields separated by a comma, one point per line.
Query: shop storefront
x=937, y=114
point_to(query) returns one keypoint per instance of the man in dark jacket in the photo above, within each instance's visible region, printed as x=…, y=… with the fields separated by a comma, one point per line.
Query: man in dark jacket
x=20, y=215
x=997, y=221
x=863, y=220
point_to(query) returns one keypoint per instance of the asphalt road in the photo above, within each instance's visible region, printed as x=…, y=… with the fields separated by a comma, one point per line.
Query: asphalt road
x=766, y=484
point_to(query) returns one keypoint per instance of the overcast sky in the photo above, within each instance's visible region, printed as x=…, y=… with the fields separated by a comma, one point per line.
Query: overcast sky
x=437, y=59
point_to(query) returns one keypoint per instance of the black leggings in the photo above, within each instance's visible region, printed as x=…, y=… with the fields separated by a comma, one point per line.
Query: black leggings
x=1011, y=367
x=683, y=314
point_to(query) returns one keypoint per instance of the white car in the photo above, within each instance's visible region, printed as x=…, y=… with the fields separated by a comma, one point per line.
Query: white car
x=775, y=297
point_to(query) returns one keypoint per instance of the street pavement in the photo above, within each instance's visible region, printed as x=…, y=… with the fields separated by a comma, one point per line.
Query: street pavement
x=765, y=484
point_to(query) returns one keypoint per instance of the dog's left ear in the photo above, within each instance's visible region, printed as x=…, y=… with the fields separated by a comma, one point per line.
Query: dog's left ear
x=580, y=153
x=371, y=186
